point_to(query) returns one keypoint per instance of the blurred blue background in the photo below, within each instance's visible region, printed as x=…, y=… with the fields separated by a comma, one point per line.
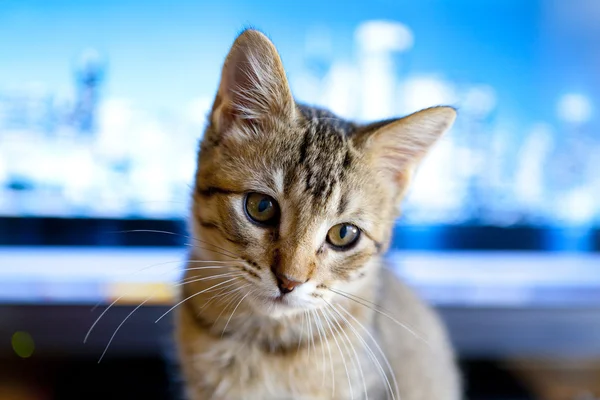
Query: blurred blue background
x=102, y=105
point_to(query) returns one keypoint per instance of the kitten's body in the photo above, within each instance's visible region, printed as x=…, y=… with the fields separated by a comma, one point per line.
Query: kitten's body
x=347, y=328
x=241, y=368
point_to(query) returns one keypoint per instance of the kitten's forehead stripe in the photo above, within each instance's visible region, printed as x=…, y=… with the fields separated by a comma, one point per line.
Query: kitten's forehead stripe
x=323, y=154
x=343, y=205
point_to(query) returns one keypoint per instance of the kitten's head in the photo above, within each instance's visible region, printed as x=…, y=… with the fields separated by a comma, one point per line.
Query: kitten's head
x=306, y=199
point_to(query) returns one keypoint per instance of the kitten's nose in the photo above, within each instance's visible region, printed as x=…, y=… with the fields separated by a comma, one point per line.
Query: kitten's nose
x=285, y=284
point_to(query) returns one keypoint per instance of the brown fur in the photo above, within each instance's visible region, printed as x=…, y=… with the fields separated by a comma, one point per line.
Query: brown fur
x=236, y=340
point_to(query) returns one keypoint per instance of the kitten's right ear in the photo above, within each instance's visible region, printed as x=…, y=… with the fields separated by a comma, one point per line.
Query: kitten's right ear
x=253, y=86
x=396, y=147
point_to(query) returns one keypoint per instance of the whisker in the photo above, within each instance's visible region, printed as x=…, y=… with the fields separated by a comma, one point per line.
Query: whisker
x=123, y=295
x=321, y=342
x=232, y=296
x=212, y=262
x=184, y=236
x=310, y=335
x=385, y=360
x=301, y=330
x=362, y=299
x=87, y=335
x=205, y=278
x=195, y=246
x=194, y=295
x=130, y=274
x=224, y=252
x=233, y=312
x=184, y=261
x=225, y=295
x=372, y=357
x=234, y=267
x=330, y=356
x=341, y=352
x=347, y=345
x=358, y=363
x=415, y=334
x=120, y=325
x=133, y=311
x=224, y=288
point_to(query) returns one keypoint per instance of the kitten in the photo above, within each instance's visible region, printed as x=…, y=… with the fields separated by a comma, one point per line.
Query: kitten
x=285, y=294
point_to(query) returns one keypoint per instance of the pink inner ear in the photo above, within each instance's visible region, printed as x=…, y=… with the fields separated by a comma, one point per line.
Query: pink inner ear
x=240, y=78
x=237, y=99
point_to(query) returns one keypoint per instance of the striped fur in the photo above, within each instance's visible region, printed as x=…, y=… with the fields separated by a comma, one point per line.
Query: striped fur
x=236, y=340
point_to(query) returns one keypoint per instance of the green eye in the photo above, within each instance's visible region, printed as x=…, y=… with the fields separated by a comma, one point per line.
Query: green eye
x=343, y=236
x=261, y=208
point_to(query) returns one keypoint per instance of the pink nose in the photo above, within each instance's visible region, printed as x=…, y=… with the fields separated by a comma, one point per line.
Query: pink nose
x=285, y=284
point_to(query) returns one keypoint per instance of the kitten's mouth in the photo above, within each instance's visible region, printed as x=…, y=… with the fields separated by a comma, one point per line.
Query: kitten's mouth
x=284, y=301
x=281, y=299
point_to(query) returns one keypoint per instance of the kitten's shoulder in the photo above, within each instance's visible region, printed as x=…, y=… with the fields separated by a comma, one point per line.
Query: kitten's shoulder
x=416, y=343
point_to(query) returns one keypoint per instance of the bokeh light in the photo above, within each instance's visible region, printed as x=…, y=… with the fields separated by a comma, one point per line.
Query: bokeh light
x=23, y=344
x=574, y=108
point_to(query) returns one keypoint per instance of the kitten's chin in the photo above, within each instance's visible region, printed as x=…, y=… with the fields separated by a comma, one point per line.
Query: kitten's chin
x=278, y=307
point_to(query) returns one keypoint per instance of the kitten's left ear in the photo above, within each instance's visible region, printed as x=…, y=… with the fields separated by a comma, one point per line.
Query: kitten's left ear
x=253, y=85
x=397, y=147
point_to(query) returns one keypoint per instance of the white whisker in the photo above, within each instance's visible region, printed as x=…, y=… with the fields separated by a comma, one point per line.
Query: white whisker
x=233, y=312
x=123, y=295
x=385, y=360
x=224, y=294
x=330, y=356
x=353, y=350
x=322, y=343
x=311, y=341
x=194, y=279
x=301, y=330
x=341, y=352
x=230, y=254
x=193, y=295
x=409, y=329
x=119, y=327
x=233, y=297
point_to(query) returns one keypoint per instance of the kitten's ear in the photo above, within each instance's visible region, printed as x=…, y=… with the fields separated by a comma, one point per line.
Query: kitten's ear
x=398, y=146
x=253, y=84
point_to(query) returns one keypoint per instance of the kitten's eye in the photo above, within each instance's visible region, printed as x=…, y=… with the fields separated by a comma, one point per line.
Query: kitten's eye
x=343, y=236
x=262, y=208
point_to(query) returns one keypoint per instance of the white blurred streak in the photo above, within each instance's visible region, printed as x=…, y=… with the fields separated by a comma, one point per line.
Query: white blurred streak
x=529, y=181
x=578, y=206
x=307, y=88
x=341, y=91
x=382, y=37
x=377, y=42
x=479, y=101
x=143, y=160
x=197, y=111
x=422, y=91
x=115, y=127
x=575, y=108
x=436, y=194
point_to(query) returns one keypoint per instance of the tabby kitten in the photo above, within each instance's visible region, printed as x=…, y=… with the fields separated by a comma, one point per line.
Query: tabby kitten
x=285, y=294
